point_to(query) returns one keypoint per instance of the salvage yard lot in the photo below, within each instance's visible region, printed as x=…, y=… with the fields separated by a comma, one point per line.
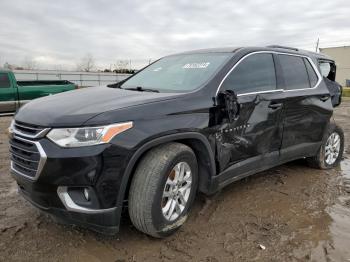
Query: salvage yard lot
x=297, y=213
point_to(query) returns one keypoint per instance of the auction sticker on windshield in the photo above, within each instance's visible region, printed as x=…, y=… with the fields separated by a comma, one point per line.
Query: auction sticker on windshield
x=197, y=65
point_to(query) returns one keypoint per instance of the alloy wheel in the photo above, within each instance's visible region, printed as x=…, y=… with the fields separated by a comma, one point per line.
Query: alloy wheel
x=332, y=148
x=177, y=191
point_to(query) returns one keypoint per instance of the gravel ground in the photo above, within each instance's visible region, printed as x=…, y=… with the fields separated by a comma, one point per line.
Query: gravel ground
x=289, y=213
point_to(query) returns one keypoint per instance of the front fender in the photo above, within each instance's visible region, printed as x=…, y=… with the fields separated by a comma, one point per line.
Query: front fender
x=186, y=136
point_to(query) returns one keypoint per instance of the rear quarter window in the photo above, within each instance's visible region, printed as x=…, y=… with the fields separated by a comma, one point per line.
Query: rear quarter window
x=4, y=80
x=294, y=72
x=328, y=69
x=325, y=68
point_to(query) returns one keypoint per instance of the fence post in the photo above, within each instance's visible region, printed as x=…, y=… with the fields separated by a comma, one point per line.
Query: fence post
x=81, y=80
x=99, y=79
x=37, y=76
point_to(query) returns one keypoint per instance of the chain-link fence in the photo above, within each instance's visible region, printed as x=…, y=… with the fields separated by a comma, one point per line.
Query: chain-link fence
x=79, y=78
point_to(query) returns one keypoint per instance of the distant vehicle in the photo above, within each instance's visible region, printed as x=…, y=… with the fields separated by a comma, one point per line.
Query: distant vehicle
x=14, y=94
x=190, y=122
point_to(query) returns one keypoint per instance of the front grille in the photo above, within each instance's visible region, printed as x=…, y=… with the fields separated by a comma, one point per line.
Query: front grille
x=27, y=157
x=28, y=130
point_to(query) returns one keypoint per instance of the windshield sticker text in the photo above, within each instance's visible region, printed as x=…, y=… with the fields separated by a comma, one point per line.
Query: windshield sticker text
x=196, y=65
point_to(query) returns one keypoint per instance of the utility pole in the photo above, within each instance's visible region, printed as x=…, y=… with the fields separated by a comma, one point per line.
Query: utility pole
x=317, y=43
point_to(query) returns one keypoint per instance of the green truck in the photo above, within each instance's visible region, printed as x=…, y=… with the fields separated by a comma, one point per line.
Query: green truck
x=14, y=94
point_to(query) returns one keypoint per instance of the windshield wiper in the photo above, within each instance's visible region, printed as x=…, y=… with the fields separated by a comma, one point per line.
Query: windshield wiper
x=142, y=89
x=116, y=85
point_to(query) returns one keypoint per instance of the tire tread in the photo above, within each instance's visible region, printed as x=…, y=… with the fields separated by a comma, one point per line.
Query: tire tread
x=145, y=182
x=317, y=161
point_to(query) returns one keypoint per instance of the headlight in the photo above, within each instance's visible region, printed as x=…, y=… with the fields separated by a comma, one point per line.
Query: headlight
x=86, y=136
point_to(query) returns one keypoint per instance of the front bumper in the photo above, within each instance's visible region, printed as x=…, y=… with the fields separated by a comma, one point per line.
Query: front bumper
x=105, y=221
x=57, y=186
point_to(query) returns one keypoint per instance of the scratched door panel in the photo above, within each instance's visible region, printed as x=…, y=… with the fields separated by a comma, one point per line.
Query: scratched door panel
x=257, y=131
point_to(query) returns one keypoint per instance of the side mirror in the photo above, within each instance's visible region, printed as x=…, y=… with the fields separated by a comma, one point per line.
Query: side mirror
x=228, y=102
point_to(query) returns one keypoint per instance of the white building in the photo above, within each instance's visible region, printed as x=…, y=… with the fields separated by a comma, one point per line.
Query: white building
x=341, y=55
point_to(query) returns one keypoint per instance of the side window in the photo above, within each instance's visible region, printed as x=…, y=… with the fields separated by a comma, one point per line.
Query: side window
x=294, y=72
x=328, y=69
x=253, y=74
x=311, y=72
x=4, y=80
x=325, y=68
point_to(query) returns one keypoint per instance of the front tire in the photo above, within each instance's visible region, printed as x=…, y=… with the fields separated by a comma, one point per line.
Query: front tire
x=163, y=189
x=331, y=151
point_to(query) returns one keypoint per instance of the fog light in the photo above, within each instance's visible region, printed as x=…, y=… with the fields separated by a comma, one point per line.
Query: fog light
x=86, y=194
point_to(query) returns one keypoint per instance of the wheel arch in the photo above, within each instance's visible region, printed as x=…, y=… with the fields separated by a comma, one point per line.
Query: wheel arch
x=196, y=141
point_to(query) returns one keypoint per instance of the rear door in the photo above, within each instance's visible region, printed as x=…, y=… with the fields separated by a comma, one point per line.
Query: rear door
x=253, y=140
x=307, y=107
x=8, y=94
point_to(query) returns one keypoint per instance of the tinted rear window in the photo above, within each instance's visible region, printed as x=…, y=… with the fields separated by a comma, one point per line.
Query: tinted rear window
x=256, y=73
x=4, y=80
x=294, y=72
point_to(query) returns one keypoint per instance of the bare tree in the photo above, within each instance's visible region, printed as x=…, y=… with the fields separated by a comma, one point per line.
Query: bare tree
x=29, y=63
x=121, y=64
x=87, y=63
x=7, y=66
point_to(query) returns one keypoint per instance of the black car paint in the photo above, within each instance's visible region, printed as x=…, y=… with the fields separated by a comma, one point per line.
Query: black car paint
x=77, y=107
x=270, y=129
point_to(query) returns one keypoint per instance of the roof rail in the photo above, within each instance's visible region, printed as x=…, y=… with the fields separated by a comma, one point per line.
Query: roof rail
x=283, y=47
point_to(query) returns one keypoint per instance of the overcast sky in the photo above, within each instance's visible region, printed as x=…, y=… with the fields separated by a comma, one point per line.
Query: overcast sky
x=59, y=33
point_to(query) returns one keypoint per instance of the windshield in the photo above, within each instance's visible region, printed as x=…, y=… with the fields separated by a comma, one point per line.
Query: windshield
x=178, y=73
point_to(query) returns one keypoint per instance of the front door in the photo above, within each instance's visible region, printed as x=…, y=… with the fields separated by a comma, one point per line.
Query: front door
x=253, y=140
x=7, y=94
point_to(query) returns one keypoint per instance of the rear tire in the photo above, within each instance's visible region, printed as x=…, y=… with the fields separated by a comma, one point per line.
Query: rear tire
x=331, y=150
x=159, y=200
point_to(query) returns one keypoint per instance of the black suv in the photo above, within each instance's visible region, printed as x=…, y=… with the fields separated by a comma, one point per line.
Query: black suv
x=190, y=122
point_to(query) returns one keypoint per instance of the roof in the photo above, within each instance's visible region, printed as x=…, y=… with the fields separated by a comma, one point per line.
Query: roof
x=278, y=48
x=212, y=50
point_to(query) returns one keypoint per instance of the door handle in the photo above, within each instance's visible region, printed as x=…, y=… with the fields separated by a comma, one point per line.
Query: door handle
x=275, y=105
x=324, y=98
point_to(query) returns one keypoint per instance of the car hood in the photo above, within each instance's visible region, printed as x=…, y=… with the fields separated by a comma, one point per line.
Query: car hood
x=74, y=108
